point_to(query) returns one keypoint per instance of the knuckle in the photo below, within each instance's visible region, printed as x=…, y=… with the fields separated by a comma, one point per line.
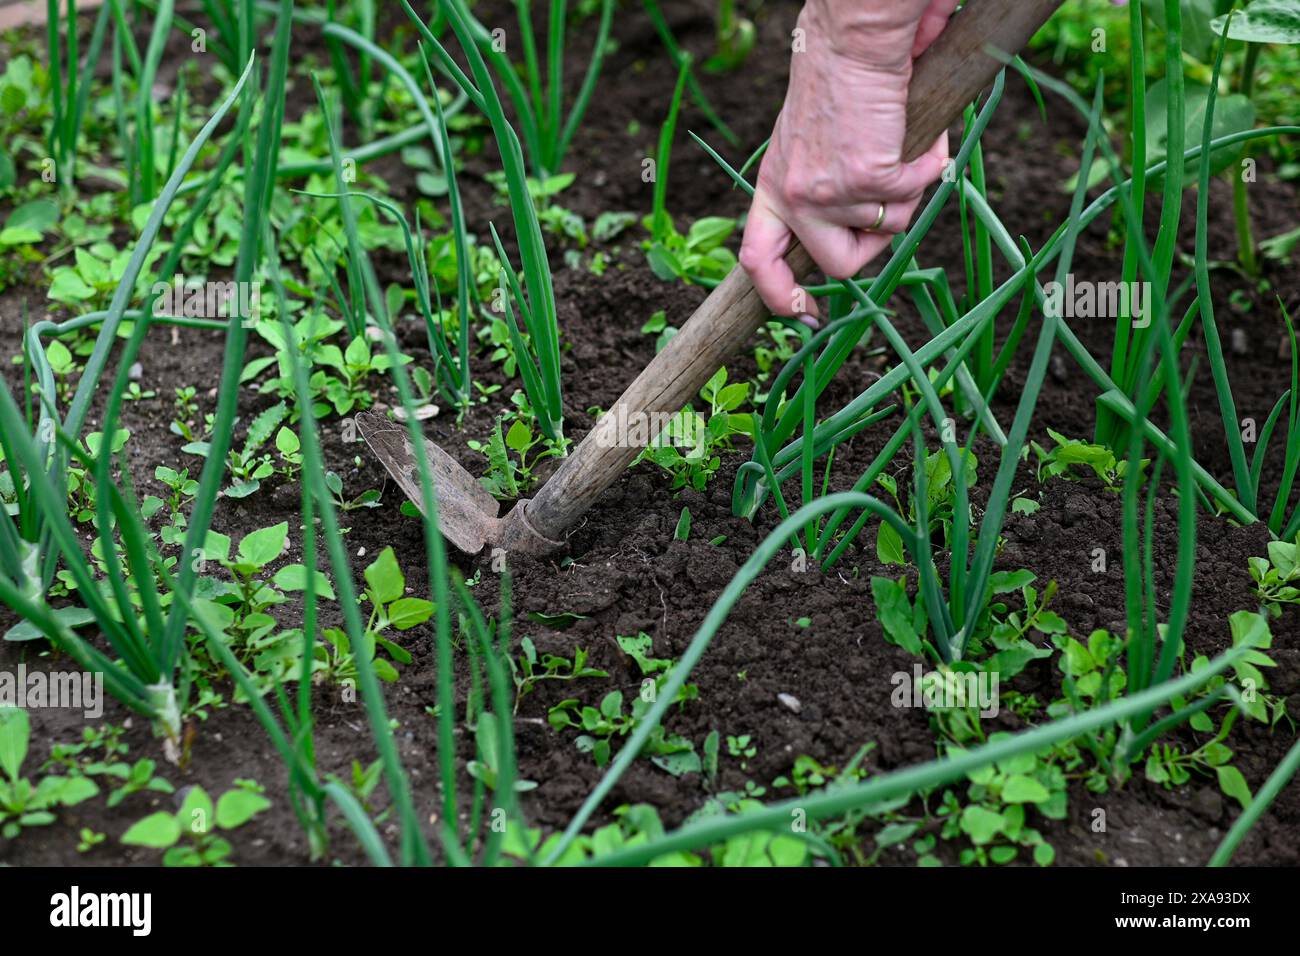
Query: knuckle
x=838, y=266
x=796, y=192
x=751, y=259
x=871, y=173
x=809, y=191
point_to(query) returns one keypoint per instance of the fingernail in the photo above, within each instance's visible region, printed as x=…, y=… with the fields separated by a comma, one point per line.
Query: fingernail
x=810, y=321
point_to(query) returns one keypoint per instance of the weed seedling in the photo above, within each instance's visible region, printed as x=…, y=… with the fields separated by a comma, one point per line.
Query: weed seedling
x=509, y=477
x=1275, y=576
x=389, y=607
x=190, y=835
x=742, y=748
x=530, y=668
x=22, y=803
x=689, y=447
x=89, y=839
x=367, y=499
x=181, y=491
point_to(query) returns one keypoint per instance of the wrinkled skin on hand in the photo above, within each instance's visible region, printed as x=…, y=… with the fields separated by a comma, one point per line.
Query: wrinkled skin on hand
x=836, y=153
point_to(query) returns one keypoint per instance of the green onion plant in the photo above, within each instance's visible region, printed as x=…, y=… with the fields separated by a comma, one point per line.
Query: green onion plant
x=128, y=603
x=539, y=355
x=682, y=60
x=536, y=93
x=1261, y=22
x=70, y=87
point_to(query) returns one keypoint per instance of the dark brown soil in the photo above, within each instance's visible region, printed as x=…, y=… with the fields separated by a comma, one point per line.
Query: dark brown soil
x=628, y=574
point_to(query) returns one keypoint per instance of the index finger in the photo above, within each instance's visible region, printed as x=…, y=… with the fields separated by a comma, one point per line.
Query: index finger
x=762, y=255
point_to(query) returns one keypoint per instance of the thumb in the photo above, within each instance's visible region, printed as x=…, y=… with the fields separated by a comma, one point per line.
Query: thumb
x=932, y=24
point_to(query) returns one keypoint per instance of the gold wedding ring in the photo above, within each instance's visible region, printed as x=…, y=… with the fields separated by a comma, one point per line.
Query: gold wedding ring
x=880, y=220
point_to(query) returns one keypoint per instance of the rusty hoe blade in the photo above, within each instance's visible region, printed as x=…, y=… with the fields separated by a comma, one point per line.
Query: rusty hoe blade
x=467, y=514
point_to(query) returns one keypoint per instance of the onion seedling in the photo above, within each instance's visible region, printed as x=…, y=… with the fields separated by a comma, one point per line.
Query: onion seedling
x=69, y=89
x=354, y=84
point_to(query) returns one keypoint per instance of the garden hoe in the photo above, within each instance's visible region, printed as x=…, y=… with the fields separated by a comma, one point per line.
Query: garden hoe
x=948, y=76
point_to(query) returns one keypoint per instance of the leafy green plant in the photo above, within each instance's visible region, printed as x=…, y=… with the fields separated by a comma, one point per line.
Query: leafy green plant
x=249, y=465
x=389, y=607
x=63, y=365
x=940, y=506
x=689, y=446
x=370, y=498
x=135, y=778
x=612, y=719
x=190, y=835
x=486, y=768
x=76, y=757
x=1275, y=574
x=82, y=494
x=1013, y=635
x=188, y=420
x=508, y=477
x=338, y=380
x=1171, y=765
x=89, y=282
x=1069, y=453
x=995, y=817
x=638, y=648
x=347, y=390
x=741, y=748
x=23, y=101
x=632, y=826
x=700, y=255
x=530, y=668
x=240, y=609
x=600, y=726
x=563, y=223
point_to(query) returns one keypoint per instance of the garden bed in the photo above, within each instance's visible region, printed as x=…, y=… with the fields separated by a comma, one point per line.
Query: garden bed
x=802, y=666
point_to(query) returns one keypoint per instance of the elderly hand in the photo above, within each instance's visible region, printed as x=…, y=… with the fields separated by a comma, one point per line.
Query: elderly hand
x=833, y=175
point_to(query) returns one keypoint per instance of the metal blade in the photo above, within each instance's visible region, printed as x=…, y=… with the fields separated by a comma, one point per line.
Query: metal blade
x=467, y=514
